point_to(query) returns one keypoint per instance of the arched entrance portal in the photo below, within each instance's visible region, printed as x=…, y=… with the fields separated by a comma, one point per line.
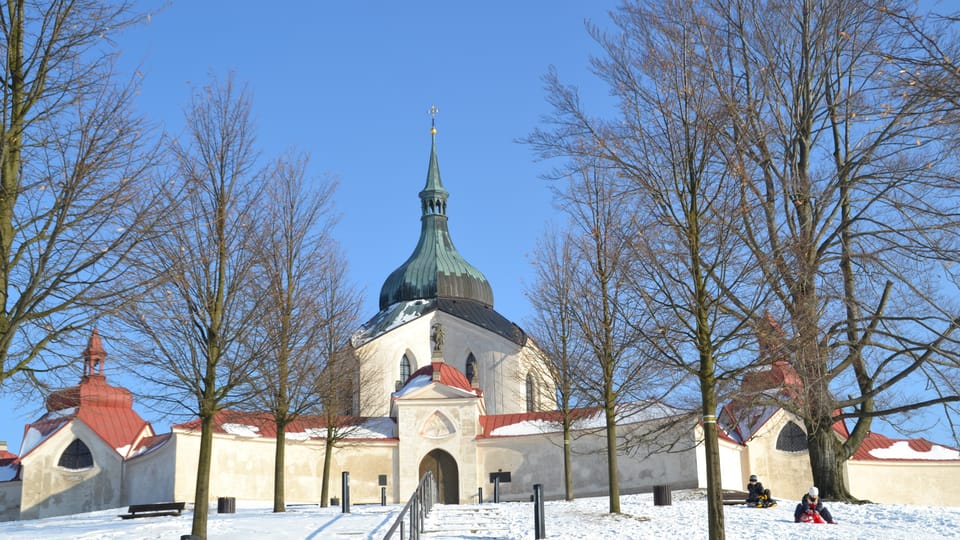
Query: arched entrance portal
x=445, y=471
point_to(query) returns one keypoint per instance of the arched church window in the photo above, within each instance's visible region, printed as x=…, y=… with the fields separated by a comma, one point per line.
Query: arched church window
x=76, y=456
x=792, y=438
x=531, y=394
x=404, y=370
x=471, y=371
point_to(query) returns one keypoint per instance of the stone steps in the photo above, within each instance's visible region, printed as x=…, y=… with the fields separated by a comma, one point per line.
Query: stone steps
x=459, y=520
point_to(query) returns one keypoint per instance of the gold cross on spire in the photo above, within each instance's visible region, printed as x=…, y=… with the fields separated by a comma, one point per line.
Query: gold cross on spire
x=433, y=119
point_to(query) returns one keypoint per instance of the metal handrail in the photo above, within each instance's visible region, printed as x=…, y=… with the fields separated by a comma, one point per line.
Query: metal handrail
x=416, y=509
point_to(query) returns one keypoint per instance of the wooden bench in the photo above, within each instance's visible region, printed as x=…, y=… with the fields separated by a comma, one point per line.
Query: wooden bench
x=154, y=510
x=734, y=497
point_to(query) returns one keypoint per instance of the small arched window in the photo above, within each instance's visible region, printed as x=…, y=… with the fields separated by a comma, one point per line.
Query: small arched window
x=792, y=438
x=471, y=371
x=404, y=370
x=531, y=394
x=76, y=456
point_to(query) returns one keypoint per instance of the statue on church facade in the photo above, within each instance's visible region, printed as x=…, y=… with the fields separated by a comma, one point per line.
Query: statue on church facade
x=437, y=337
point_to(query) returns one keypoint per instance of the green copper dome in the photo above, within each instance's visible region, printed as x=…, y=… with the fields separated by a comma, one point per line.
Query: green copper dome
x=435, y=269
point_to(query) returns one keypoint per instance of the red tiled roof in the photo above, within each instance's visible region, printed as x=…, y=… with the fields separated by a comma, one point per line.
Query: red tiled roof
x=108, y=411
x=876, y=441
x=105, y=409
x=146, y=444
x=449, y=376
x=491, y=422
x=266, y=425
x=6, y=457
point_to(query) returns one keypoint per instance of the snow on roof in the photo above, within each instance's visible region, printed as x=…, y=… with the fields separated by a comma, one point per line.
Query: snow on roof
x=374, y=428
x=307, y=427
x=876, y=446
x=149, y=444
x=527, y=427
x=449, y=376
x=903, y=450
x=241, y=430
x=40, y=431
x=413, y=384
x=389, y=318
x=508, y=425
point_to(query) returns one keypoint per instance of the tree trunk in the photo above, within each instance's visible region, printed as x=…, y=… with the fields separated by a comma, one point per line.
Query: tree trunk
x=279, y=504
x=567, y=462
x=711, y=450
x=609, y=409
x=827, y=461
x=201, y=498
x=325, y=481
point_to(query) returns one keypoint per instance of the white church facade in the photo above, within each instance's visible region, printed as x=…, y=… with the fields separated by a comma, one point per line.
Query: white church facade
x=458, y=390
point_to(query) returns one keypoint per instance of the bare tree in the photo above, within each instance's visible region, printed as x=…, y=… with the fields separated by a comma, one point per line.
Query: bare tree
x=298, y=260
x=664, y=145
x=344, y=383
x=555, y=301
x=848, y=200
x=846, y=196
x=196, y=331
x=75, y=182
x=607, y=320
x=687, y=261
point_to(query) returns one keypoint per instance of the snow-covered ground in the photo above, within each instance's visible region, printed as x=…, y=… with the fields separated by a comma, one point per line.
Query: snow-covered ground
x=582, y=519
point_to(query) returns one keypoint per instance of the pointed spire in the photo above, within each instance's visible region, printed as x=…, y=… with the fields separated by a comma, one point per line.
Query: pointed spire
x=435, y=269
x=94, y=355
x=433, y=198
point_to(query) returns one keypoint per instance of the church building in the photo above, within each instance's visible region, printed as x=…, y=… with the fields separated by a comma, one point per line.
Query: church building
x=457, y=388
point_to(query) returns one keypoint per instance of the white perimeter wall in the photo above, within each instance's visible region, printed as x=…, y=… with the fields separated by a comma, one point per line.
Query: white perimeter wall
x=538, y=459
x=149, y=478
x=243, y=468
x=10, y=500
x=910, y=482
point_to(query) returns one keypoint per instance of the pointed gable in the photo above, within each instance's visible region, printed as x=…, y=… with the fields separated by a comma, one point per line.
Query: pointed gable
x=442, y=373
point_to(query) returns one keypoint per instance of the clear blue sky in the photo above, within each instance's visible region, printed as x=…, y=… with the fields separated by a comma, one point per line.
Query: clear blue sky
x=350, y=82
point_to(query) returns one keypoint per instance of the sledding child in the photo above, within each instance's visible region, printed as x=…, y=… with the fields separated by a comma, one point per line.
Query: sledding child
x=757, y=495
x=811, y=507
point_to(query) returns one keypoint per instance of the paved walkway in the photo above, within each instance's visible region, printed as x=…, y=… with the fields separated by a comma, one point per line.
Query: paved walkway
x=450, y=521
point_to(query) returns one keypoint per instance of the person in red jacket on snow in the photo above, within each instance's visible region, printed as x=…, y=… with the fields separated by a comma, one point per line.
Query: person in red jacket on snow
x=811, y=508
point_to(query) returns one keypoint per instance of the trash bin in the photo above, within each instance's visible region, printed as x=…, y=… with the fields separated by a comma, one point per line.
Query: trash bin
x=334, y=501
x=226, y=505
x=661, y=496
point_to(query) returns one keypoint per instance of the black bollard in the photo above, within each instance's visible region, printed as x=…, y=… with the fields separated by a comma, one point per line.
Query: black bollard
x=480, y=495
x=496, y=489
x=538, y=521
x=383, y=496
x=345, y=492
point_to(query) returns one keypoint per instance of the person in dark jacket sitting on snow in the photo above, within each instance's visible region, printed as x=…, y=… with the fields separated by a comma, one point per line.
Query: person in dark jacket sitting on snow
x=811, y=504
x=757, y=495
